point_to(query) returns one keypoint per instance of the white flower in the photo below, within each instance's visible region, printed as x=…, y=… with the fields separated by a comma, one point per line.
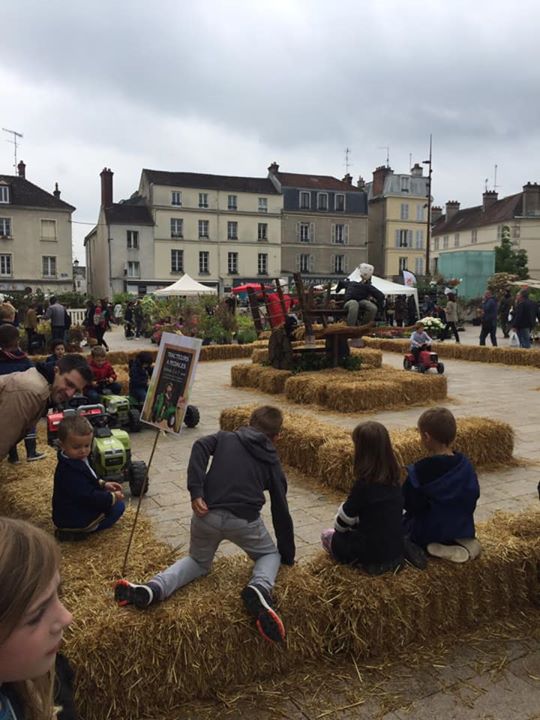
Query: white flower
x=431, y=323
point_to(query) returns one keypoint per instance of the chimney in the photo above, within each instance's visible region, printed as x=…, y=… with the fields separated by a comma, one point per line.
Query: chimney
x=436, y=213
x=274, y=168
x=106, y=187
x=347, y=179
x=56, y=192
x=361, y=184
x=452, y=207
x=531, y=199
x=379, y=174
x=488, y=198
x=21, y=167
x=417, y=170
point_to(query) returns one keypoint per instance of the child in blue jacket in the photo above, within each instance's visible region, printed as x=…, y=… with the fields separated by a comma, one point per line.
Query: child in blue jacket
x=81, y=503
x=140, y=370
x=441, y=491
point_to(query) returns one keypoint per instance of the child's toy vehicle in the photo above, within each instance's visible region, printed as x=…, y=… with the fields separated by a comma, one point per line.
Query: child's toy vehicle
x=426, y=361
x=191, y=416
x=111, y=448
x=125, y=412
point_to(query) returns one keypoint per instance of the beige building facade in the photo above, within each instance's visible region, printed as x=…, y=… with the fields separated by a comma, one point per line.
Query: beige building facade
x=35, y=237
x=397, y=222
x=481, y=227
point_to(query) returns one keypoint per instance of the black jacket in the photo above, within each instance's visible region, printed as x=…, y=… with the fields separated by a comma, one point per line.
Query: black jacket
x=139, y=376
x=245, y=464
x=525, y=314
x=363, y=291
x=369, y=527
x=78, y=502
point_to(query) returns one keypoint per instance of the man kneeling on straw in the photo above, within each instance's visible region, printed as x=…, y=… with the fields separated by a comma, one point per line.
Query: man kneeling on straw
x=227, y=500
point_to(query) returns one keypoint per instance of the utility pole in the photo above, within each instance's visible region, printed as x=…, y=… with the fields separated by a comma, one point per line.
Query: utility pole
x=14, y=142
x=428, y=233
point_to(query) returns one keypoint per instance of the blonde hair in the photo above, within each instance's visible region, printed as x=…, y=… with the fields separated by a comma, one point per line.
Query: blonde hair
x=29, y=558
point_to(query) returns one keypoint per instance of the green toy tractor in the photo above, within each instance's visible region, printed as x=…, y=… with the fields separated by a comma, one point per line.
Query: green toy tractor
x=111, y=448
x=122, y=412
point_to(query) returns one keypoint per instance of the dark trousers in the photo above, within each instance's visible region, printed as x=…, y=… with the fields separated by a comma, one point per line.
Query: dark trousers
x=489, y=328
x=100, y=332
x=451, y=327
x=416, y=352
x=139, y=393
x=57, y=332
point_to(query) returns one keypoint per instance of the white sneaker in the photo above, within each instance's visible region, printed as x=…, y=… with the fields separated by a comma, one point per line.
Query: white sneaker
x=454, y=553
x=472, y=546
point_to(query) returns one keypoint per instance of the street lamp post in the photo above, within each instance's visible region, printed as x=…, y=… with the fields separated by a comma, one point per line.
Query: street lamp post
x=428, y=233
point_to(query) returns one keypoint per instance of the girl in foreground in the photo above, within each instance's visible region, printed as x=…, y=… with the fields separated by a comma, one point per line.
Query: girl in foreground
x=32, y=620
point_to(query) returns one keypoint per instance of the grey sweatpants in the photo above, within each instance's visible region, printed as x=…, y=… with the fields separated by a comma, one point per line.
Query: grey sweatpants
x=355, y=307
x=206, y=535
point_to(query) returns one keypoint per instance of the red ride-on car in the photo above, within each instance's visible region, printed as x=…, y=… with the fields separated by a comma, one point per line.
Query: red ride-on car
x=427, y=360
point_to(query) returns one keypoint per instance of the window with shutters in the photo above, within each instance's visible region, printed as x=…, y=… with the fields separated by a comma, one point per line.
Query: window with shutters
x=340, y=203
x=132, y=239
x=420, y=213
x=204, y=262
x=304, y=264
x=419, y=266
x=48, y=266
x=203, y=228
x=262, y=232
x=340, y=234
x=177, y=261
x=474, y=237
x=339, y=264
x=404, y=213
x=232, y=263
x=48, y=229
x=456, y=240
x=403, y=238
x=232, y=230
x=176, y=198
x=5, y=265
x=177, y=228
x=402, y=263
x=304, y=232
x=5, y=227
x=436, y=244
x=305, y=200
x=419, y=239
x=445, y=242
x=4, y=194
x=262, y=264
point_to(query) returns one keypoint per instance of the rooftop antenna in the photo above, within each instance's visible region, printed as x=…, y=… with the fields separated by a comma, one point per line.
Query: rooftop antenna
x=387, y=148
x=347, y=163
x=14, y=142
x=495, y=186
x=486, y=184
x=410, y=161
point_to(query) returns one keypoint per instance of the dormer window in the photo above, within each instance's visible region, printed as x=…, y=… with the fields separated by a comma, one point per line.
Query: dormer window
x=4, y=193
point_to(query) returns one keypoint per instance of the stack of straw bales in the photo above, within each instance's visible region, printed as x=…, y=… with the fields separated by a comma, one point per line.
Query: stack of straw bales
x=343, y=390
x=201, y=642
x=516, y=357
x=325, y=452
x=370, y=356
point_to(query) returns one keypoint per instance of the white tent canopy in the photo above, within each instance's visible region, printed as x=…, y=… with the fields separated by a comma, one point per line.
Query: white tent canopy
x=186, y=286
x=387, y=287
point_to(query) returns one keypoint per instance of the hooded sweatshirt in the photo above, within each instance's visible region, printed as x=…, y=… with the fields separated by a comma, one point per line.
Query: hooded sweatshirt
x=440, y=495
x=245, y=463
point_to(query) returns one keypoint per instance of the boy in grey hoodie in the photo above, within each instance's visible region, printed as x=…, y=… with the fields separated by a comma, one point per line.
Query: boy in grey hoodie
x=227, y=500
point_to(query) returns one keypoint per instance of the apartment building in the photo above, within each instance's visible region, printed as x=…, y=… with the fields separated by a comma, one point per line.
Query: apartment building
x=480, y=228
x=324, y=225
x=397, y=205
x=35, y=236
x=221, y=230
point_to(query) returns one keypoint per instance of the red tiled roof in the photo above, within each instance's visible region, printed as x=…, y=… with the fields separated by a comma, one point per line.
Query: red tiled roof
x=500, y=211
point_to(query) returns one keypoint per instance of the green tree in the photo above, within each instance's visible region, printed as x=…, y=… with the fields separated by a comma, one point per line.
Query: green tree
x=508, y=260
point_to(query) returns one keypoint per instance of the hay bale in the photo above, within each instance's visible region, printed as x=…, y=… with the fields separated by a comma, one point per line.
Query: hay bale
x=273, y=381
x=225, y=352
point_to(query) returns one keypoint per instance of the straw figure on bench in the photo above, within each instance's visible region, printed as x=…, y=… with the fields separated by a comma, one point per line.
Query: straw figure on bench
x=362, y=299
x=226, y=501
x=441, y=492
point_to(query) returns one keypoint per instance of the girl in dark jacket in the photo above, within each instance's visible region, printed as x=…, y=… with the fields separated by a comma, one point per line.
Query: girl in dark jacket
x=368, y=529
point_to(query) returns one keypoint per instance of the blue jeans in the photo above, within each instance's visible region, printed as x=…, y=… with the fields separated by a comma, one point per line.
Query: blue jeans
x=206, y=535
x=113, y=516
x=524, y=337
x=139, y=393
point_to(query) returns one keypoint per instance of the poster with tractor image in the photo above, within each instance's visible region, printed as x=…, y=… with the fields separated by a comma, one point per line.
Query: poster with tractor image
x=174, y=372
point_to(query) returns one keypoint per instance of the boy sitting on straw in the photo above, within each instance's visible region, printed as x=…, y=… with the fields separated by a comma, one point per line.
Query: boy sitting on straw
x=441, y=491
x=226, y=501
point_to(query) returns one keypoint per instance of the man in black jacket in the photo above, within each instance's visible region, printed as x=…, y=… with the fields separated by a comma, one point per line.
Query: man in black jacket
x=524, y=318
x=227, y=499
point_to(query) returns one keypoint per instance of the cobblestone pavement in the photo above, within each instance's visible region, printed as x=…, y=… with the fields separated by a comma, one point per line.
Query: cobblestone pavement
x=496, y=391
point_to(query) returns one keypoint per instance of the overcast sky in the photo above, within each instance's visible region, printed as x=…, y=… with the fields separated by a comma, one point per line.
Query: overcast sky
x=228, y=87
